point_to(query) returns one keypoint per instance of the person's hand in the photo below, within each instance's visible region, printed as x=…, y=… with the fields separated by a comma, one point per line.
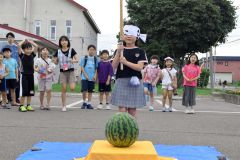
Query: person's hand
x=94, y=78
x=120, y=47
x=123, y=60
x=107, y=83
x=1, y=76
x=154, y=84
x=86, y=77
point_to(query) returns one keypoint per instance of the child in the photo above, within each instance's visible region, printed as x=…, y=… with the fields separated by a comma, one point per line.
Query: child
x=105, y=72
x=29, y=48
x=151, y=75
x=128, y=91
x=169, y=82
x=88, y=66
x=191, y=72
x=15, y=55
x=12, y=78
x=44, y=66
x=66, y=57
x=3, y=73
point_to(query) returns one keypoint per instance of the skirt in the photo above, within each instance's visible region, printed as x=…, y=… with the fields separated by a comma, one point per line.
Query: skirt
x=125, y=95
x=189, y=96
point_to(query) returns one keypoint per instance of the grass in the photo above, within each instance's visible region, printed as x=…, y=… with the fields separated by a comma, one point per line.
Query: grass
x=199, y=91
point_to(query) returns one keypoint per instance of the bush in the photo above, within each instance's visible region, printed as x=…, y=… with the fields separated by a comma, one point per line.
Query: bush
x=204, y=78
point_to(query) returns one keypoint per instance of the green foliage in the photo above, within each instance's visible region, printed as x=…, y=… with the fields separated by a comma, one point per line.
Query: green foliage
x=177, y=27
x=204, y=78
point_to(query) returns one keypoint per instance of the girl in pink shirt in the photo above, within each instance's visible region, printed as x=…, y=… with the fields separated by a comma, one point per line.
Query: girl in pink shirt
x=191, y=72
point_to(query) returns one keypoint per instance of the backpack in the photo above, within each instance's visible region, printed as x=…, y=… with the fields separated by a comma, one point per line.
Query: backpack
x=85, y=62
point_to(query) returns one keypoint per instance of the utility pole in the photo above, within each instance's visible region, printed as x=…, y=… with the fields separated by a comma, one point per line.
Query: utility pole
x=211, y=70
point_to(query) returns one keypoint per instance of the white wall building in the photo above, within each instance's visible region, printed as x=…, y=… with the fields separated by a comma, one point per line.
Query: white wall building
x=51, y=19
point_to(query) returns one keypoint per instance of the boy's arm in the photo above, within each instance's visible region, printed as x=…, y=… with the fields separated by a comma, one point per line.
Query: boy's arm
x=95, y=75
x=20, y=51
x=35, y=46
x=84, y=73
x=74, y=59
x=6, y=72
x=108, y=80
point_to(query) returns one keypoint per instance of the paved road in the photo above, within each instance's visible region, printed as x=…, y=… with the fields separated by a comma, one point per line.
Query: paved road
x=216, y=123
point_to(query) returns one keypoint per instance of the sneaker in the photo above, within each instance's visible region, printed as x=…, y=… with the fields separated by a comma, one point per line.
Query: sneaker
x=22, y=109
x=84, y=105
x=170, y=109
x=191, y=111
x=187, y=111
x=164, y=109
x=151, y=108
x=64, y=109
x=108, y=107
x=89, y=106
x=29, y=108
x=100, y=106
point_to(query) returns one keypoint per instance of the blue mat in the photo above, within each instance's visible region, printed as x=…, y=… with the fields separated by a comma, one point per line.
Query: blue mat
x=69, y=151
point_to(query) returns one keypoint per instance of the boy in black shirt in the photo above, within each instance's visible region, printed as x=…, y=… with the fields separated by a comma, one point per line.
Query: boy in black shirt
x=27, y=70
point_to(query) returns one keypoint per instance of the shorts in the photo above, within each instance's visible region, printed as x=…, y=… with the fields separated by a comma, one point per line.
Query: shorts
x=45, y=84
x=3, y=86
x=102, y=87
x=11, y=83
x=167, y=87
x=148, y=87
x=26, y=85
x=67, y=77
x=88, y=86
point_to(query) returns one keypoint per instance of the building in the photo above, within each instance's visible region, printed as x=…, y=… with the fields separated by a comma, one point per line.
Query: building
x=226, y=68
x=51, y=19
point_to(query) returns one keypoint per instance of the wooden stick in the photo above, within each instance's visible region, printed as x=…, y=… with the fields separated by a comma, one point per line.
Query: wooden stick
x=121, y=29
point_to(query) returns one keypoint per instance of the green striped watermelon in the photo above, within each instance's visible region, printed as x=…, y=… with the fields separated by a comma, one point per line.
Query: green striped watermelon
x=121, y=130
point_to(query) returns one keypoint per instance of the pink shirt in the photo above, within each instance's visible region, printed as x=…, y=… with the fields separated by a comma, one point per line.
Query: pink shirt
x=191, y=71
x=151, y=72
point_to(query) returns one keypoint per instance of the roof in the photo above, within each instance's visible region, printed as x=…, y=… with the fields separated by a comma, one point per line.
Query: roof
x=226, y=58
x=28, y=35
x=87, y=14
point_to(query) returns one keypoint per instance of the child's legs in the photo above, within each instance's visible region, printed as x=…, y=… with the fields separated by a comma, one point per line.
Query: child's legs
x=72, y=80
x=22, y=100
x=41, y=97
x=64, y=90
x=48, y=90
x=107, y=97
x=132, y=111
x=170, y=93
x=49, y=95
x=101, y=97
x=4, y=97
x=29, y=100
x=91, y=85
x=64, y=80
x=165, y=93
x=84, y=89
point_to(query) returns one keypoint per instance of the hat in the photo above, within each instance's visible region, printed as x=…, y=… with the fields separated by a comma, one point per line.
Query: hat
x=131, y=30
x=168, y=58
x=6, y=49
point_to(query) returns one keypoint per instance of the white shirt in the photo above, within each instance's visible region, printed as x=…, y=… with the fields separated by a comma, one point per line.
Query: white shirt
x=166, y=80
x=40, y=63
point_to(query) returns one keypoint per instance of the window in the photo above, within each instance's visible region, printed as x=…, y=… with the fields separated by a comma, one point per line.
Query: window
x=220, y=63
x=38, y=27
x=226, y=63
x=69, y=28
x=53, y=30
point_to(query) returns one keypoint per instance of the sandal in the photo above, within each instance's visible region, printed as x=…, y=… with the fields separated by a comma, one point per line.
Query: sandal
x=15, y=104
x=41, y=107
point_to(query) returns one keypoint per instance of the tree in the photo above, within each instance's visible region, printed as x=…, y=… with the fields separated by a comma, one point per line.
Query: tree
x=177, y=27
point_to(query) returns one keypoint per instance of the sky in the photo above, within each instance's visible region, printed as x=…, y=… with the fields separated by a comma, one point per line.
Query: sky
x=106, y=15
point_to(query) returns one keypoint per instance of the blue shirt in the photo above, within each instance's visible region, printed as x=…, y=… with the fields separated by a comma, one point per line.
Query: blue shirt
x=89, y=68
x=12, y=66
x=14, y=51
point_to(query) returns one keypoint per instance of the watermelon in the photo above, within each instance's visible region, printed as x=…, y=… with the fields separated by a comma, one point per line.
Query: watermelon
x=121, y=130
